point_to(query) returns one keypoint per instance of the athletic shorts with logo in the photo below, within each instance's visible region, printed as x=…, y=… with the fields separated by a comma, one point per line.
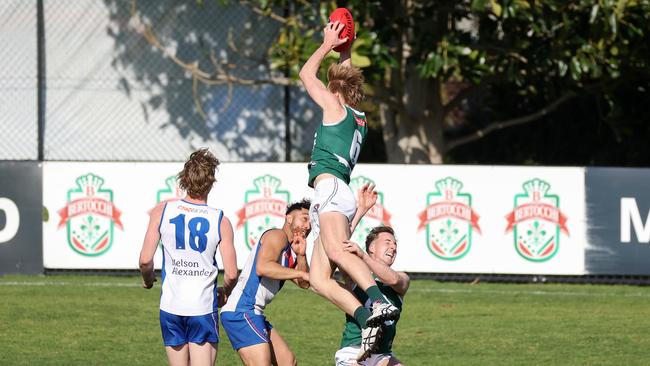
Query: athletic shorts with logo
x=347, y=356
x=331, y=195
x=245, y=328
x=178, y=330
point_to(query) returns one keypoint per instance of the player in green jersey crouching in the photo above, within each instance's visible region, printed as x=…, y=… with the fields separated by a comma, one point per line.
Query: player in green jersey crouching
x=381, y=247
x=337, y=144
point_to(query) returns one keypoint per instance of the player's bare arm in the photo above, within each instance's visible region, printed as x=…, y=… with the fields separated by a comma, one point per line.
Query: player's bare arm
x=366, y=198
x=272, y=243
x=399, y=281
x=151, y=239
x=345, y=57
x=228, y=256
x=333, y=111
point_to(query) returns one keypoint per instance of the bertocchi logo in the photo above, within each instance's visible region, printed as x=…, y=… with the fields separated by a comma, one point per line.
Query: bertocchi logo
x=377, y=216
x=264, y=208
x=172, y=192
x=89, y=216
x=536, y=221
x=449, y=220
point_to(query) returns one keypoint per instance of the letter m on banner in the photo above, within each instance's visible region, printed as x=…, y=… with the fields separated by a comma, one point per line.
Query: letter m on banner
x=630, y=215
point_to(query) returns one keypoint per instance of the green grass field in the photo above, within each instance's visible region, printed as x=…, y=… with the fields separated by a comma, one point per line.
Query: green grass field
x=91, y=320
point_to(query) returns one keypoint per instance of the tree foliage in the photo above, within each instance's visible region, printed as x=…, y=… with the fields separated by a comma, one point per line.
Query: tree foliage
x=444, y=74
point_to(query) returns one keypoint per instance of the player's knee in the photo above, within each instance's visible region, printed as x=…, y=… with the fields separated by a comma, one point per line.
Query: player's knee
x=317, y=284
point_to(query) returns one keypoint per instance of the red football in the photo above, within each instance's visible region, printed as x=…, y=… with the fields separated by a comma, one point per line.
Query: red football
x=344, y=16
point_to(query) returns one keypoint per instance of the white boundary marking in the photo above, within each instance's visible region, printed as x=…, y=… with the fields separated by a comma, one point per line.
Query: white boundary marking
x=63, y=283
x=470, y=291
x=533, y=292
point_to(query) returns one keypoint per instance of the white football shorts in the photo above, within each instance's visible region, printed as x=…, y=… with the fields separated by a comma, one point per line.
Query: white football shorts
x=347, y=356
x=331, y=195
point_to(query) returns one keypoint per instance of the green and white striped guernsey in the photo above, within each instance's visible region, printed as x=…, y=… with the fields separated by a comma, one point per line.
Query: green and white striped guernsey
x=337, y=147
x=352, y=331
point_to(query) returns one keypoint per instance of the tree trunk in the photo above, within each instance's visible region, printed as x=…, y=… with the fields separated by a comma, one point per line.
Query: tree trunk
x=413, y=132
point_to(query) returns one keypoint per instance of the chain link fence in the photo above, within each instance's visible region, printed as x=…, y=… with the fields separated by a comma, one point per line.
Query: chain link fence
x=18, y=92
x=130, y=80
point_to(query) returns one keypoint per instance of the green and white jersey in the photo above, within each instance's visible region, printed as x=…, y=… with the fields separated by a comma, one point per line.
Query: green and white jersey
x=352, y=331
x=337, y=146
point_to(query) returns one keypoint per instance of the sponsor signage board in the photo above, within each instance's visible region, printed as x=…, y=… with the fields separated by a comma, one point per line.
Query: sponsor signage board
x=618, y=214
x=100, y=211
x=21, y=214
x=448, y=219
x=484, y=219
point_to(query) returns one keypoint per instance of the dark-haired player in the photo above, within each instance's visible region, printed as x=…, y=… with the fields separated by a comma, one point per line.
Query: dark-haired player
x=278, y=256
x=380, y=254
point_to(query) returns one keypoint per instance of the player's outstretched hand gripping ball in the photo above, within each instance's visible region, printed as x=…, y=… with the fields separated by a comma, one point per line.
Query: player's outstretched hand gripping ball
x=344, y=16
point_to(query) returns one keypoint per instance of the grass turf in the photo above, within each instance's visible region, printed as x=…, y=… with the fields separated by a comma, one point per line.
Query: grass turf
x=93, y=320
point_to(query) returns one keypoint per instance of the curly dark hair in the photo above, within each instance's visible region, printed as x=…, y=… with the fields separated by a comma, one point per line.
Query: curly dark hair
x=305, y=203
x=197, y=176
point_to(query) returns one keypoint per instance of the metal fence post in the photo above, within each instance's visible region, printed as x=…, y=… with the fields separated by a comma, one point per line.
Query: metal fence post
x=287, y=102
x=40, y=77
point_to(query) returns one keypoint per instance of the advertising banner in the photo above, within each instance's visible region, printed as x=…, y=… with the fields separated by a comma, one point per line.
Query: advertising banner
x=482, y=219
x=21, y=215
x=448, y=219
x=618, y=213
x=101, y=210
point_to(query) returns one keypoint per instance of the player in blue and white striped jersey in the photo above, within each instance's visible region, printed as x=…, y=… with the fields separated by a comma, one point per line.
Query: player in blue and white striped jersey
x=278, y=256
x=190, y=232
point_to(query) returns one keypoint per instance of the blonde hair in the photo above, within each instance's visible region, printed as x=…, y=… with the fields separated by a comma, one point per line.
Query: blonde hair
x=197, y=176
x=347, y=81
